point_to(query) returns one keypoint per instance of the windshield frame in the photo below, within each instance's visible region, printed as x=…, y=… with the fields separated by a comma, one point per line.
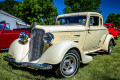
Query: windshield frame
x=1, y=25
x=74, y=16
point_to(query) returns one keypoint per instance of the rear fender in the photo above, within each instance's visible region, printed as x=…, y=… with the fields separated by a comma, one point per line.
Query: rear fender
x=106, y=42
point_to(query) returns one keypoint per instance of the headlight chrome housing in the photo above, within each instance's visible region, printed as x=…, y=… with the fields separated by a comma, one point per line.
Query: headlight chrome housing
x=48, y=37
x=23, y=37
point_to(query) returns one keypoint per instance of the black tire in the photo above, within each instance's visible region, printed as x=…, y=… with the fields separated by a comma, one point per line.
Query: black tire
x=69, y=65
x=116, y=38
x=110, y=47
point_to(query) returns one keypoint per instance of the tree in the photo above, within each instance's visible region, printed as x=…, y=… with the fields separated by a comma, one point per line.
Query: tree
x=8, y=6
x=114, y=18
x=81, y=6
x=40, y=11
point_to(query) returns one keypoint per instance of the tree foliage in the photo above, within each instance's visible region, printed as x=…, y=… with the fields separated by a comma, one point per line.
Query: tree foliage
x=40, y=11
x=81, y=6
x=114, y=18
x=8, y=6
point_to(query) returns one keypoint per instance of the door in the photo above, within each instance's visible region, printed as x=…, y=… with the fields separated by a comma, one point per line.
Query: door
x=95, y=32
x=8, y=36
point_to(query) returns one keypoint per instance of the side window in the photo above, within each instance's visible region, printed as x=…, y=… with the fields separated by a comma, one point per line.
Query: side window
x=62, y=21
x=94, y=21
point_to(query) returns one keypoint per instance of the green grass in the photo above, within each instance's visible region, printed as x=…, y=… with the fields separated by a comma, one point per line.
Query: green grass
x=103, y=67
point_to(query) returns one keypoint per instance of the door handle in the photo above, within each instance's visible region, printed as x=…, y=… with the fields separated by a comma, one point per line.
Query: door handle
x=77, y=35
x=76, y=41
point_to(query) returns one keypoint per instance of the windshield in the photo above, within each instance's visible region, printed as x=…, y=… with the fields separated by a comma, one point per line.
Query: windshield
x=73, y=20
x=107, y=26
x=1, y=25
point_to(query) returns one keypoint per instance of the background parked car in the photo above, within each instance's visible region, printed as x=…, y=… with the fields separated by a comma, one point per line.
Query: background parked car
x=7, y=36
x=112, y=30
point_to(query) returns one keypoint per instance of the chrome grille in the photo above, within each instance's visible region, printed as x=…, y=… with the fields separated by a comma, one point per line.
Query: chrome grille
x=36, y=44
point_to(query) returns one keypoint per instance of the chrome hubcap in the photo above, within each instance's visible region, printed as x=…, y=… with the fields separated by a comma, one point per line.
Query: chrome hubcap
x=69, y=65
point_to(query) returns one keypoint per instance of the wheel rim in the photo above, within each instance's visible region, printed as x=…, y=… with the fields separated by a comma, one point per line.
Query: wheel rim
x=69, y=65
x=110, y=47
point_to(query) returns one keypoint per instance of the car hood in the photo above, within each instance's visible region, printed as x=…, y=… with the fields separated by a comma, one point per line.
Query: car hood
x=59, y=28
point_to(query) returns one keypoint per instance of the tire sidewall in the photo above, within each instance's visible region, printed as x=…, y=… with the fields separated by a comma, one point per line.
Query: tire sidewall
x=75, y=54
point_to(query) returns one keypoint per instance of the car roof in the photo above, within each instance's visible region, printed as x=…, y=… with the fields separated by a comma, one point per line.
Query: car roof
x=80, y=13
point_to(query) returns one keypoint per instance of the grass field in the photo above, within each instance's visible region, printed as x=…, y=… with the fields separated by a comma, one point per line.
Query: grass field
x=103, y=67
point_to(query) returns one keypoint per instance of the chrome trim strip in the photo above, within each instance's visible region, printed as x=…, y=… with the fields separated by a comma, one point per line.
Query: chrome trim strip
x=9, y=33
x=28, y=64
x=12, y=33
x=5, y=49
x=78, y=30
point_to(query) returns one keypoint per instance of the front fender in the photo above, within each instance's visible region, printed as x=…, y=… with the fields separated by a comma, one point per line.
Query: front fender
x=18, y=51
x=55, y=53
x=106, y=42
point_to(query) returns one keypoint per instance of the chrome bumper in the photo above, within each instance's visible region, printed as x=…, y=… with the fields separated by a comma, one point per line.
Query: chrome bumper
x=28, y=65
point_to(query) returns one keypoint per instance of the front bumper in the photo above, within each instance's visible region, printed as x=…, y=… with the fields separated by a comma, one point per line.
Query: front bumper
x=28, y=65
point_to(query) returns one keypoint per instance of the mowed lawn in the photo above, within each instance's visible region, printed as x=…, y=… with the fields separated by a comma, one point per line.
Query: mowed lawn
x=103, y=67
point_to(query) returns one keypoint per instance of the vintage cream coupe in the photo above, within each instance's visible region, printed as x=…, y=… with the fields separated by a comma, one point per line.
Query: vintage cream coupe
x=64, y=46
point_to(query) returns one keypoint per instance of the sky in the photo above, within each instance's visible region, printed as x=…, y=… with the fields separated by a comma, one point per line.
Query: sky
x=107, y=7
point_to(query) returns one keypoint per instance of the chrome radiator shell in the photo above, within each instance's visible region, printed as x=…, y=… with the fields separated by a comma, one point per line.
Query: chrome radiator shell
x=36, y=44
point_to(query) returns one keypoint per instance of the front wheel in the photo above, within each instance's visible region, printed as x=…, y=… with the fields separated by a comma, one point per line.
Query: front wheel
x=69, y=65
x=110, y=47
x=116, y=38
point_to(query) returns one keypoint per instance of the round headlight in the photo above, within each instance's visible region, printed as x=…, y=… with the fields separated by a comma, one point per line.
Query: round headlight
x=23, y=36
x=48, y=37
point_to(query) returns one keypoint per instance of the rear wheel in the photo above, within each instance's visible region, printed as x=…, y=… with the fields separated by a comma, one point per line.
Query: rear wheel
x=69, y=65
x=110, y=47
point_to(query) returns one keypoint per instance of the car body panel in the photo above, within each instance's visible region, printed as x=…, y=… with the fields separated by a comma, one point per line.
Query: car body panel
x=55, y=56
x=95, y=37
x=106, y=42
x=18, y=50
x=8, y=36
